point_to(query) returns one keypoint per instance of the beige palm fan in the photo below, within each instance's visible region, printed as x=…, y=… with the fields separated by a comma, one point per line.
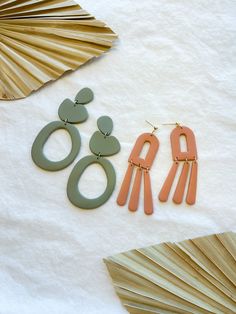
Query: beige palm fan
x=41, y=39
x=193, y=276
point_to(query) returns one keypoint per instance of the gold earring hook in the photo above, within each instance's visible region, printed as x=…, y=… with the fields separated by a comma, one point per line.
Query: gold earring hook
x=176, y=124
x=155, y=128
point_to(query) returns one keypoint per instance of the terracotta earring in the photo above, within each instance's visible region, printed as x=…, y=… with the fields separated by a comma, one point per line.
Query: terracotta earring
x=143, y=166
x=189, y=160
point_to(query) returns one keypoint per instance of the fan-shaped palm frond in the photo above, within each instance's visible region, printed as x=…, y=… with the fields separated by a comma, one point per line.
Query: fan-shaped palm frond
x=194, y=276
x=41, y=39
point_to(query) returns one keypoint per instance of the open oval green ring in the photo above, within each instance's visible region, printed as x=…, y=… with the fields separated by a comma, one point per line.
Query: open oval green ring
x=37, y=149
x=73, y=192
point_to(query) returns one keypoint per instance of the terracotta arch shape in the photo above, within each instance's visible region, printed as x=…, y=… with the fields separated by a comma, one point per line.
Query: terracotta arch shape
x=143, y=165
x=177, y=154
x=189, y=158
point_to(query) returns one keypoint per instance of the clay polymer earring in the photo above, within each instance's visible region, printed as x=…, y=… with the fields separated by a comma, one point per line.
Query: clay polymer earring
x=189, y=160
x=101, y=145
x=143, y=166
x=69, y=112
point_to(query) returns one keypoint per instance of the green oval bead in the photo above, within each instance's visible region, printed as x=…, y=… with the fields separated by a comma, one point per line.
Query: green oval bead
x=105, y=125
x=84, y=96
x=71, y=112
x=104, y=145
x=37, y=149
x=73, y=192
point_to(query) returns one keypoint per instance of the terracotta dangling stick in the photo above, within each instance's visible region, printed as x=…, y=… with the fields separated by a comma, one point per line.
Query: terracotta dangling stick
x=190, y=161
x=143, y=166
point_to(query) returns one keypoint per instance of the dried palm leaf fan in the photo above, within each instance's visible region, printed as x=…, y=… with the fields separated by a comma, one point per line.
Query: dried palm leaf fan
x=194, y=276
x=41, y=39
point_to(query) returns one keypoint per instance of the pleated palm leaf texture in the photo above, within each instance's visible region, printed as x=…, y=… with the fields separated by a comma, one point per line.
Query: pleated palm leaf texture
x=194, y=276
x=41, y=39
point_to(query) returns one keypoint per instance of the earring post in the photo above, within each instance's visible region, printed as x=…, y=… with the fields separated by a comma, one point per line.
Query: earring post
x=176, y=123
x=154, y=127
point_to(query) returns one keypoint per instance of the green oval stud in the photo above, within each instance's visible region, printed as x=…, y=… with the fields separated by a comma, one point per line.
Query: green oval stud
x=71, y=112
x=73, y=192
x=84, y=96
x=37, y=149
x=104, y=145
x=105, y=125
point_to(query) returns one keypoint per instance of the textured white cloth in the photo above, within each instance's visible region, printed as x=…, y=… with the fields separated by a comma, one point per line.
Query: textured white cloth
x=174, y=61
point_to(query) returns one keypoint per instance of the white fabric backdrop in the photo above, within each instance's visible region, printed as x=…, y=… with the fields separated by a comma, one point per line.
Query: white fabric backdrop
x=174, y=61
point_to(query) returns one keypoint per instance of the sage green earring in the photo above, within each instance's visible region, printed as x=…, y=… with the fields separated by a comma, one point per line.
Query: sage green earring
x=69, y=112
x=101, y=145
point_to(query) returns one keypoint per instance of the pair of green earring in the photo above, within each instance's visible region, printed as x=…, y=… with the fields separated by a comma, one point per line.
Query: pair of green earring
x=101, y=144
